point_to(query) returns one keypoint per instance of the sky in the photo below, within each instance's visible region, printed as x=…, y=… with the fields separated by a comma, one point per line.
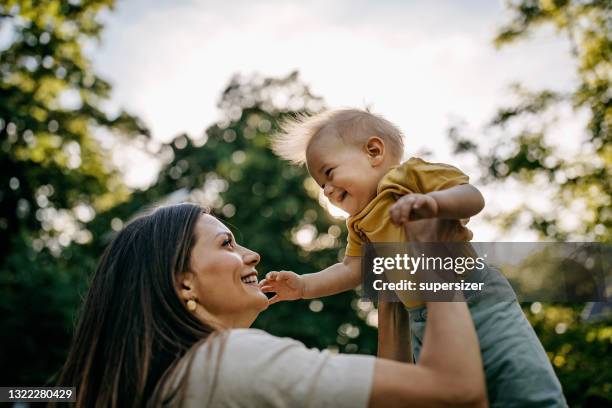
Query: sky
x=421, y=64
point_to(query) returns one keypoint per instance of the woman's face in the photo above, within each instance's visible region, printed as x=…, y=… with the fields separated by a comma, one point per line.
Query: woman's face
x=223, y=279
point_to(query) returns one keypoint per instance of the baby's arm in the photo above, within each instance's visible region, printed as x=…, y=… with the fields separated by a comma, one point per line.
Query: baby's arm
x=337, y=278
x=458, y=202
x=462, y=201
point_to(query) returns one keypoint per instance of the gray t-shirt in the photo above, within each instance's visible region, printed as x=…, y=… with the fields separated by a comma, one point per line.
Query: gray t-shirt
x=257, y=369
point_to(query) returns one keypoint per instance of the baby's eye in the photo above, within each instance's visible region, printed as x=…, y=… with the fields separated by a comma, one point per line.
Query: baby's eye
x=228, y=242
x=328, y=172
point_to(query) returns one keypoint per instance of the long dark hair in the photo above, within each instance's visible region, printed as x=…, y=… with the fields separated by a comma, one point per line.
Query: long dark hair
x=133, y=327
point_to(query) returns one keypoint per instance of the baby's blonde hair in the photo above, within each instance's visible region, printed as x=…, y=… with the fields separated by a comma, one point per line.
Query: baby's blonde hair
x=353, y=125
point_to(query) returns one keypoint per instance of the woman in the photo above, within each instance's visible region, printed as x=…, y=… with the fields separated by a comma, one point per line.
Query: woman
x=166, y=322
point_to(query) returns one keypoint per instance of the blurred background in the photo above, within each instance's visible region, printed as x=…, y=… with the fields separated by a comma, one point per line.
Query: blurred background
x=107, y=108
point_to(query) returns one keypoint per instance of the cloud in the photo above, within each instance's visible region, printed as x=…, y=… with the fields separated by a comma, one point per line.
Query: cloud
x=415, y=63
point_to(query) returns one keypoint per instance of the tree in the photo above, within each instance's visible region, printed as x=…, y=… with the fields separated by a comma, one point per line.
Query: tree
x=521, y=145
x=54, y=176
x=522, y=136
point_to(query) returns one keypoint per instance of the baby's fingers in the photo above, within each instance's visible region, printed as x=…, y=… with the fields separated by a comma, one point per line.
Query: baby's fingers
x=405, y=210
x=274, y=299
x=418, y=202
x=268, y=288
x=395, y=213
x=284, y=275
x=271, y=276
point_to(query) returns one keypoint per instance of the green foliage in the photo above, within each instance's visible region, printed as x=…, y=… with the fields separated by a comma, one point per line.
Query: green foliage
x=49, y=111
x=579, y=352
x=54, y=177
x=521, y=140
x=39, y=296
x=523, y=135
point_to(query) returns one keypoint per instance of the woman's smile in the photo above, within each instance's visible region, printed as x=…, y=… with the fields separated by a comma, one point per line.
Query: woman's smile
x=250, y=279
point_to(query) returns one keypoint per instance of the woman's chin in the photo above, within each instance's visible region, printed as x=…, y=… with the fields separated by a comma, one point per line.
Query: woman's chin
x=256, y=297
x=260, y=300
x=264, y=302
x=251, y=311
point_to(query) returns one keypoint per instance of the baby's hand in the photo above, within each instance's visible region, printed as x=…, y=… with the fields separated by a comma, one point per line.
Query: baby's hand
x=413, y=207
x=287, y=285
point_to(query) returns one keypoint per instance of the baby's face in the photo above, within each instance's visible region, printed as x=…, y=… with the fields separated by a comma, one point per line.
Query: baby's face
x=344, y=172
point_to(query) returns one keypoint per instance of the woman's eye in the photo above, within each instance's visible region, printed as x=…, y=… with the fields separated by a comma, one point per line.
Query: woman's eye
x=227, y=242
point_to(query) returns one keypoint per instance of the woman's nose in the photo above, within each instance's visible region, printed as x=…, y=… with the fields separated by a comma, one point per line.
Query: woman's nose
x=251, y=257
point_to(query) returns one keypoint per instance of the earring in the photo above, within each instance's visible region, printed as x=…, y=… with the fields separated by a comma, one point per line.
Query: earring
x=191, y=305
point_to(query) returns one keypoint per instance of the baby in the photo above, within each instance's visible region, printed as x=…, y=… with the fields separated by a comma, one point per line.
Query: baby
x=355, y=156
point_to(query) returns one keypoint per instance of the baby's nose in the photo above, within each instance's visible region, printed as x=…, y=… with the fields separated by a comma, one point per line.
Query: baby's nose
x=328, y=190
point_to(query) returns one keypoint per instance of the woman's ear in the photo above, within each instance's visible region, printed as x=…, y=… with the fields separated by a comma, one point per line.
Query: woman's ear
x=185, y=285
x=375, y=149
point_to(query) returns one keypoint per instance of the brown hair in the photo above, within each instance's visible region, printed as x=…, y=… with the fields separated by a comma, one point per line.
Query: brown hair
x=133, y=327
x=350, y=125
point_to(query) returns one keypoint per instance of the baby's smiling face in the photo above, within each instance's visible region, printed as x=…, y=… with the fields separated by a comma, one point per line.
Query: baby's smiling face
x=348, y=174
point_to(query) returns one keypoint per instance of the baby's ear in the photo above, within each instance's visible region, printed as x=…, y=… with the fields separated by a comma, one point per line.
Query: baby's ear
x=375, y=149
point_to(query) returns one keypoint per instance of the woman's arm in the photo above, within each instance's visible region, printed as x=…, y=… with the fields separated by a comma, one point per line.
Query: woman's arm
x=449, y=372
x=258, y=369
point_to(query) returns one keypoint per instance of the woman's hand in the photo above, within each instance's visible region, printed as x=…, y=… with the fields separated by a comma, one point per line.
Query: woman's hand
x=287, y=285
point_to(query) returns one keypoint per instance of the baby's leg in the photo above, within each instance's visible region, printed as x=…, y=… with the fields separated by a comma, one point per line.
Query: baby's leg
x=517, y=370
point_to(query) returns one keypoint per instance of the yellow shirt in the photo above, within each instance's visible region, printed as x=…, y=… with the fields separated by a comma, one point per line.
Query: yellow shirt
x=412, y=176
x=374, y=224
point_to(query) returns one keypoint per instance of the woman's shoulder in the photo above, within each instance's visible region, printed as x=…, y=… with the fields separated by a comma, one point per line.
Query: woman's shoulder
x=255, y=337
x=284, y=369
x=237, y=342
x=244, y=351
